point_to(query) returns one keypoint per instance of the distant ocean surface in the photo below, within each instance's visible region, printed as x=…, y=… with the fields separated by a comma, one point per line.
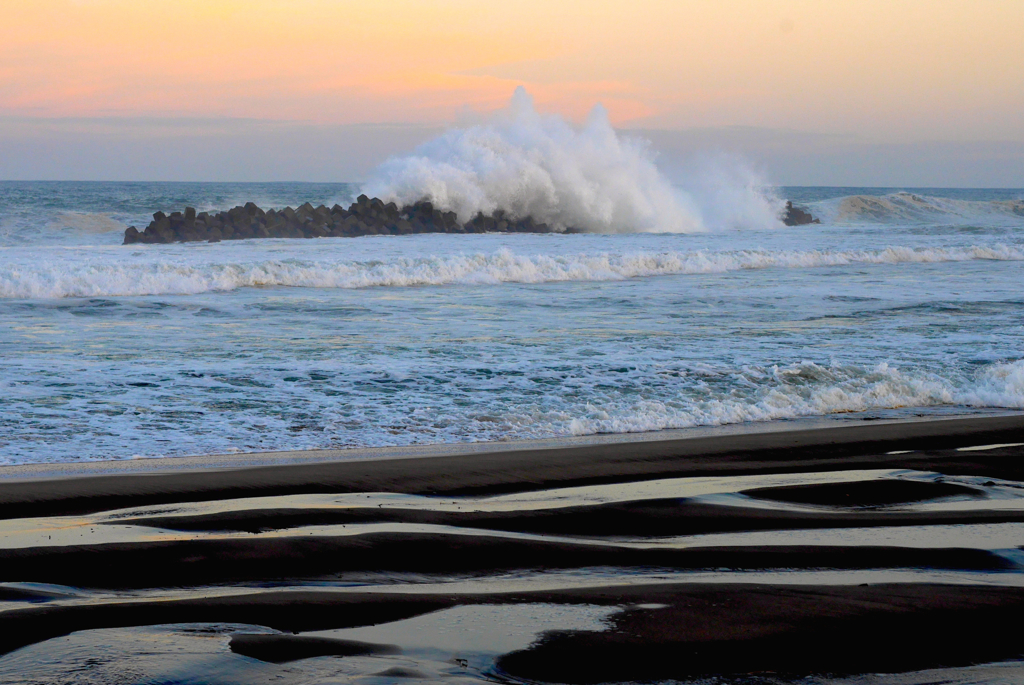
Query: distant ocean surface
x=900, y=302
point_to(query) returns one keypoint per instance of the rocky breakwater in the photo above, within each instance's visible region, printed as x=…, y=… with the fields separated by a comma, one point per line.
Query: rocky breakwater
x=364, y=217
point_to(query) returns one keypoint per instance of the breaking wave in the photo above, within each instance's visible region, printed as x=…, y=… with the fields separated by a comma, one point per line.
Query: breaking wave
x=810, y=389
x=87, y=222
x=428, y=403
x=61, y=227
x=158, y=275
x=528, y=164
x=903, y=207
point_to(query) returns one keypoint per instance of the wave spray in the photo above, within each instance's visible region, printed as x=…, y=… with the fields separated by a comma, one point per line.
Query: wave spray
x=525, y=163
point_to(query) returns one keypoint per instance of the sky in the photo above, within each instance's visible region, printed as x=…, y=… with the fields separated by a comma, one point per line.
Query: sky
x=894, y=92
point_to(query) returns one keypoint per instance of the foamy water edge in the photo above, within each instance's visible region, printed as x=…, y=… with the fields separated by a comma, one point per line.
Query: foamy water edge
x=98, y=275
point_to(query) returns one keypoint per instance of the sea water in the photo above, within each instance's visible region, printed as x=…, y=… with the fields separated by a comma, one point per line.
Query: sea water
x=909, y=300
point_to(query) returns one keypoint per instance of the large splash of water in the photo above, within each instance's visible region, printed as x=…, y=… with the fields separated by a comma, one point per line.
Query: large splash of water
x=530, y=164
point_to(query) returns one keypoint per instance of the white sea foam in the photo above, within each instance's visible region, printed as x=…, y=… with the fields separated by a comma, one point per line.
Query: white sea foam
x=529, y=164
x=426, y=405
x=999, y=385
x=811, y=390
x=159, y=275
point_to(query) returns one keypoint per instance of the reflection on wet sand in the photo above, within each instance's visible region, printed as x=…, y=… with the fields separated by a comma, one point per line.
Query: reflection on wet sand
x=911, y=567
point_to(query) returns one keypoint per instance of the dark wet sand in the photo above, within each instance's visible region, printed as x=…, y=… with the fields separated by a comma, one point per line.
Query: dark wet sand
x=657, y=517
x=862, y=446
x=664, y=631
x=278, y=649
x=309, y=558
x=739, y=630
x=247, y=551
x=863, y=494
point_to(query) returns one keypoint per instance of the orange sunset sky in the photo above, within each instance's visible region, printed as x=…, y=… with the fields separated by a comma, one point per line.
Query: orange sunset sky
x=875, y=71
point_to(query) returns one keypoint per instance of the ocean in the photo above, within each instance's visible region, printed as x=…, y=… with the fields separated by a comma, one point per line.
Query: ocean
x=901, y=302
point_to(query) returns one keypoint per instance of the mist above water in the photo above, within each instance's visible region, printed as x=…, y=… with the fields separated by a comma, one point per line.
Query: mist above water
x=526, y=163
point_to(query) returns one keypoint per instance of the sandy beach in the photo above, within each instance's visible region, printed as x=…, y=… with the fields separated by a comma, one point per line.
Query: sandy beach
x=823, y=549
